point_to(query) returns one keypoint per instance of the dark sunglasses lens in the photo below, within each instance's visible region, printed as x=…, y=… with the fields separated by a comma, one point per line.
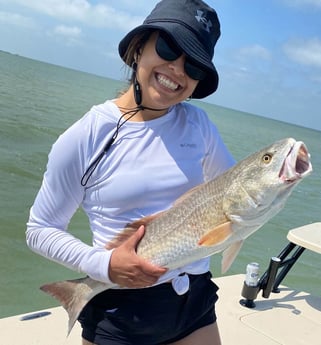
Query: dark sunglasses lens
x=169, y=51
x=194, y=72
x=166, y=49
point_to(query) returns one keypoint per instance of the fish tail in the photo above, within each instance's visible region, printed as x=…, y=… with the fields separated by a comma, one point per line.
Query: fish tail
x=72, y=295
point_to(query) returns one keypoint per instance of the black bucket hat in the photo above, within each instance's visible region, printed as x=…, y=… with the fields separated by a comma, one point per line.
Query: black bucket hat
x=194, y=27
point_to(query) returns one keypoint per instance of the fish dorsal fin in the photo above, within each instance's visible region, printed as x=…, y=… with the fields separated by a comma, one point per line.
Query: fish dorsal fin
x=130, y=229
x=217, y=235
x=230, y=254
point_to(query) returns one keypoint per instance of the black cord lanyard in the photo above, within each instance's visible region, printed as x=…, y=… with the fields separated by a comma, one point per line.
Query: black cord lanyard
x=85, y=178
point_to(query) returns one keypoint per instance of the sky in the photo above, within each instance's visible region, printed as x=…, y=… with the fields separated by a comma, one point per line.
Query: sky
x=268, y=56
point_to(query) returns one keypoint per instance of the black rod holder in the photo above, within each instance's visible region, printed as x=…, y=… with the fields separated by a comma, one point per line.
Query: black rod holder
x=272, y=271
x=271, y=279
x=287, y=268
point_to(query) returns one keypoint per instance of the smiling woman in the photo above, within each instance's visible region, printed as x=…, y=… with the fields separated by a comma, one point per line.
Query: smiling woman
x=132, y=157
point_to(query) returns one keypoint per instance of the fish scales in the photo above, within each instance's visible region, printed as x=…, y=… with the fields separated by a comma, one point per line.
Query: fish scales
x=178, y=233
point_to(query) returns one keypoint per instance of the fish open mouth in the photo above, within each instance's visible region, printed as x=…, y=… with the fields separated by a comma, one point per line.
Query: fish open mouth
x=297, y=163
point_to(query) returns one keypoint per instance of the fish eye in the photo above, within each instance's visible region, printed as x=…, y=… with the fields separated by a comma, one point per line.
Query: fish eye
x=267, y=158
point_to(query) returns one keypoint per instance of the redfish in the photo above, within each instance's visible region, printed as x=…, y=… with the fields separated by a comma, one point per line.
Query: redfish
x=216, y=216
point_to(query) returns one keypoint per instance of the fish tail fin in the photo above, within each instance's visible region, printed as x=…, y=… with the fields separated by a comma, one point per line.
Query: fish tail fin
x=72, y=296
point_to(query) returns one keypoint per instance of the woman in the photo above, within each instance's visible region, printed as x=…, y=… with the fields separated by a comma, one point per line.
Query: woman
x=131, y=157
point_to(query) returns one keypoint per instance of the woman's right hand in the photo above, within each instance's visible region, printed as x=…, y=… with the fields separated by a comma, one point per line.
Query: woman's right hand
x=127, y=269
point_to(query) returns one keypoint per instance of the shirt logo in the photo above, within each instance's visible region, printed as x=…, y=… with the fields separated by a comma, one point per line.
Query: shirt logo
x=188, y=145
x=207, y=24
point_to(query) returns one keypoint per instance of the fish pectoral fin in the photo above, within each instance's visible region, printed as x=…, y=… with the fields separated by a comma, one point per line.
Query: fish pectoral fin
x=217, y=235
x=230, y=254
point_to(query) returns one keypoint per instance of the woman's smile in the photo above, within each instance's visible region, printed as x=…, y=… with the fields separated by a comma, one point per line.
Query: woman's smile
x=167, y=83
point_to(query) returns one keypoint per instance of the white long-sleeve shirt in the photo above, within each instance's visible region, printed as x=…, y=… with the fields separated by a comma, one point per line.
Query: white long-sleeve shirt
x=147, y=168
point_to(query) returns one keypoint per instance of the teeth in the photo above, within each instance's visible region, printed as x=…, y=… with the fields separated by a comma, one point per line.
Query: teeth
x=167, y=83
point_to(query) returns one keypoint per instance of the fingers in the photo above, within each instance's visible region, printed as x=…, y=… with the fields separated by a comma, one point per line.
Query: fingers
x=135, y=281
x=134, y=240
x=127, y=269
x=150, y=269
x=145, y=266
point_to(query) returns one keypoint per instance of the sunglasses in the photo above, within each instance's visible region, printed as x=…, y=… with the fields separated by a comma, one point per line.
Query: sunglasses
x=169, y=51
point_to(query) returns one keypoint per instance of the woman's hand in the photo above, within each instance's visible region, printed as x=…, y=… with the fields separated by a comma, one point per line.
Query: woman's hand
x=127, y=269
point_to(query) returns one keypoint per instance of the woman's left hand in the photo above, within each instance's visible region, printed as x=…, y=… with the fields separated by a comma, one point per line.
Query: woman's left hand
x=127, y=269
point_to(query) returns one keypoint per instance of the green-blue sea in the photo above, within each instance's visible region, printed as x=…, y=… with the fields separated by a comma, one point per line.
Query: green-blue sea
x=38, y=101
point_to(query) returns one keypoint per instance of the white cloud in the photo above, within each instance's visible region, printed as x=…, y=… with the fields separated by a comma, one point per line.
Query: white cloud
x=304, y=52
x=255, y=51
x=99, y=15
x=68, y=31
x=69, y=35
x=143, y=7
x=248, y=60
x=15, y=19
x=56, y=8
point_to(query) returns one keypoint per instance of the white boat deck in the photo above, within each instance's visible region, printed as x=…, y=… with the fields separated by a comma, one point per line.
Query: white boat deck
x=289, y=318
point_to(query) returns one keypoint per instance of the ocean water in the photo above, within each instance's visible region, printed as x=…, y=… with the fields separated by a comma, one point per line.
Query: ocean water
x=38, y=101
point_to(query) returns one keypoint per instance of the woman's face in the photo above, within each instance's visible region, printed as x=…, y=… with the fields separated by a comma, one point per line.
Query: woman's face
x=163, y=83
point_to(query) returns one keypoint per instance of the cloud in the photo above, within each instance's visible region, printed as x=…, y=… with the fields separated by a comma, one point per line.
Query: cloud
x=98, y=15
x=304, y=52
x=15, y=19
x=68, y=35
x=254, y=51
x=248, y=60
x=69, y=31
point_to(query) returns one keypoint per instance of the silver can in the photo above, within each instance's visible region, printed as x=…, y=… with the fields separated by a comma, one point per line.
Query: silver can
x=252, y=274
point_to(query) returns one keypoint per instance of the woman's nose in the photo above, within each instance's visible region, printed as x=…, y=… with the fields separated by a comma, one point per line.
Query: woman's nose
x=178, y=65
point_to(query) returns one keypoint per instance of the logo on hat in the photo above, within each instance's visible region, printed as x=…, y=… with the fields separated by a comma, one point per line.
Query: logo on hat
x=207, y=24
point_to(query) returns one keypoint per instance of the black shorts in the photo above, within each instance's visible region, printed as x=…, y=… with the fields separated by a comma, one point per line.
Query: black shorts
x=150, y=316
